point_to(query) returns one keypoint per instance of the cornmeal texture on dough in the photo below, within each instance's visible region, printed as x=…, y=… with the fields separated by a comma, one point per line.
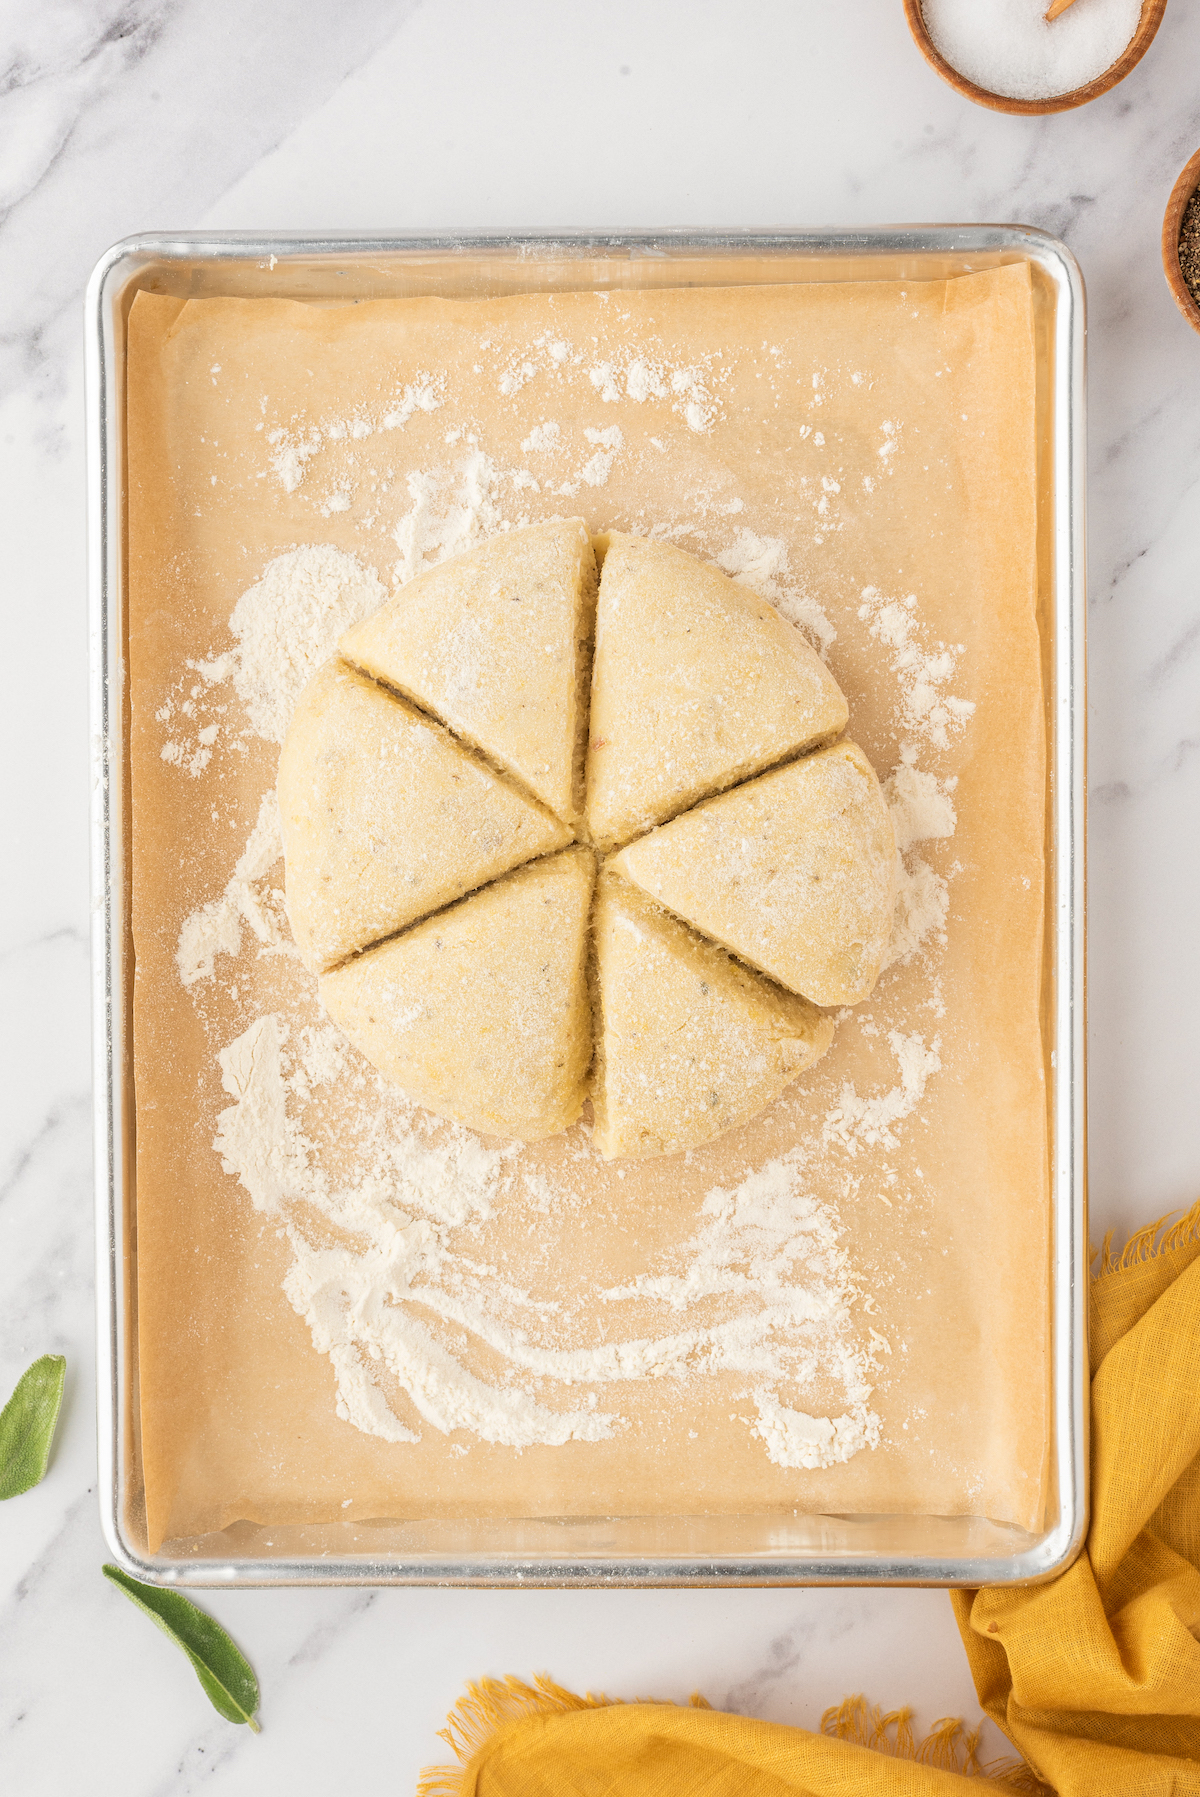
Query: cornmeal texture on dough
x=482, y=1012
x=386, y=817
x=689, y=1041
x=795, y=872
x=434, y=774
x=696, y=684
x=495, y=644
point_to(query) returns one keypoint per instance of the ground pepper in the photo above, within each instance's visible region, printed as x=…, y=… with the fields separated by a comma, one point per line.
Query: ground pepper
x=1189, y=245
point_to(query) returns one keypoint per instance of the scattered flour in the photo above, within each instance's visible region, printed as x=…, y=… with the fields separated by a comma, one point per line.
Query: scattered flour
x=922, y=906
x=216, y=928
x=770, y=1244
x=452, y=510
x=293, y=450
x=286, y=625
x=793, y=1438
x=542, y=439
x=254, y=1136
x=650, y=375
x=425, y=395
x=193, y=761
x=761, y=563
x=857, y=1122
x=921, y=811
x=686, y=389
x=924, y=709
x=607, y=444
x=412, y=1195
x=920, y=804
x=397, y=1290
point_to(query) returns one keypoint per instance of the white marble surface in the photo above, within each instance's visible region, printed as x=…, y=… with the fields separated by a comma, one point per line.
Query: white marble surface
x=122, y=115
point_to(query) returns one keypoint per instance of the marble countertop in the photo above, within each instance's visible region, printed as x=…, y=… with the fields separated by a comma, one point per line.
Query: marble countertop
x=122, y=117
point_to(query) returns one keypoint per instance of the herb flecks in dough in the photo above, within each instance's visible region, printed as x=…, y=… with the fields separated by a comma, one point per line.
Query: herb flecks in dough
x=512, y=960
x=495, y=643
x=386, y=817
x=794, y=871
x=690, y=1041
x=696, y=685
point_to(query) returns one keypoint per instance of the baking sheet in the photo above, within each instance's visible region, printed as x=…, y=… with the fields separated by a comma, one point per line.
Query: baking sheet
x=237, y=1408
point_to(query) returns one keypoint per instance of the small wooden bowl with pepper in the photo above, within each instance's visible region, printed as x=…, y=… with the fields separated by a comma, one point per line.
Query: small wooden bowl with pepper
x=1181, y=242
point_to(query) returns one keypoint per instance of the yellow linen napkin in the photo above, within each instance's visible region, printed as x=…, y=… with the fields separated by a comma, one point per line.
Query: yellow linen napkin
x=1094, y=1677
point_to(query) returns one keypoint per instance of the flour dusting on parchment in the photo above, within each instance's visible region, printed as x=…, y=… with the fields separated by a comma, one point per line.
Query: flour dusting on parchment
x=393, y=1218
x=392, y=1271
x=284, y=626
x=216, y=928
x=922, y=668
x=454, y=508
x=761, y=563
x=287, y=624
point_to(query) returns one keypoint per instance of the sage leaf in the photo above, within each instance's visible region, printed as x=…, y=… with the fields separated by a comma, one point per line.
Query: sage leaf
x=226, y=1675
x=27, y=1425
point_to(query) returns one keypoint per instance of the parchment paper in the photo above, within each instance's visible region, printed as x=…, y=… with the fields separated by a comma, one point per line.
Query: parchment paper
x=908, y=409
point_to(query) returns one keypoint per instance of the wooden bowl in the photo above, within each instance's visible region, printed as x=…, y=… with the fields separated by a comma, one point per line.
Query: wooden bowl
x=1181, y=193
x=1139, y=43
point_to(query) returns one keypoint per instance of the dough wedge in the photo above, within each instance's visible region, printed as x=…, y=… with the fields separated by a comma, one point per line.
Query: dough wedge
x=795, y=872
x=386, y=817
x=696, y=684
x=689, y=1042
x=495, y=644
x=482, y=1012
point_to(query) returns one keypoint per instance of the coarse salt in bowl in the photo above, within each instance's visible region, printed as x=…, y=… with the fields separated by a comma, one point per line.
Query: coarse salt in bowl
x=1005, y=53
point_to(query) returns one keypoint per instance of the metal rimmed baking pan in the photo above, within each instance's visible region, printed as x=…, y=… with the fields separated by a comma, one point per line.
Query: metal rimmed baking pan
x=672, y=1550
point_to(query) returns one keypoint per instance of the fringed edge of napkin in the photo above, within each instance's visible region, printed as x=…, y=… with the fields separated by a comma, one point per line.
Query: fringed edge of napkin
x=948, y=1747
x=493, y=1706
x=1144, y=1244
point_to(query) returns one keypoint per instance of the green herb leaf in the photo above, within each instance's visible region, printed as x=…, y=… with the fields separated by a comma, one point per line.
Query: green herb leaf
x=228, y=1679
x=27, y=1425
